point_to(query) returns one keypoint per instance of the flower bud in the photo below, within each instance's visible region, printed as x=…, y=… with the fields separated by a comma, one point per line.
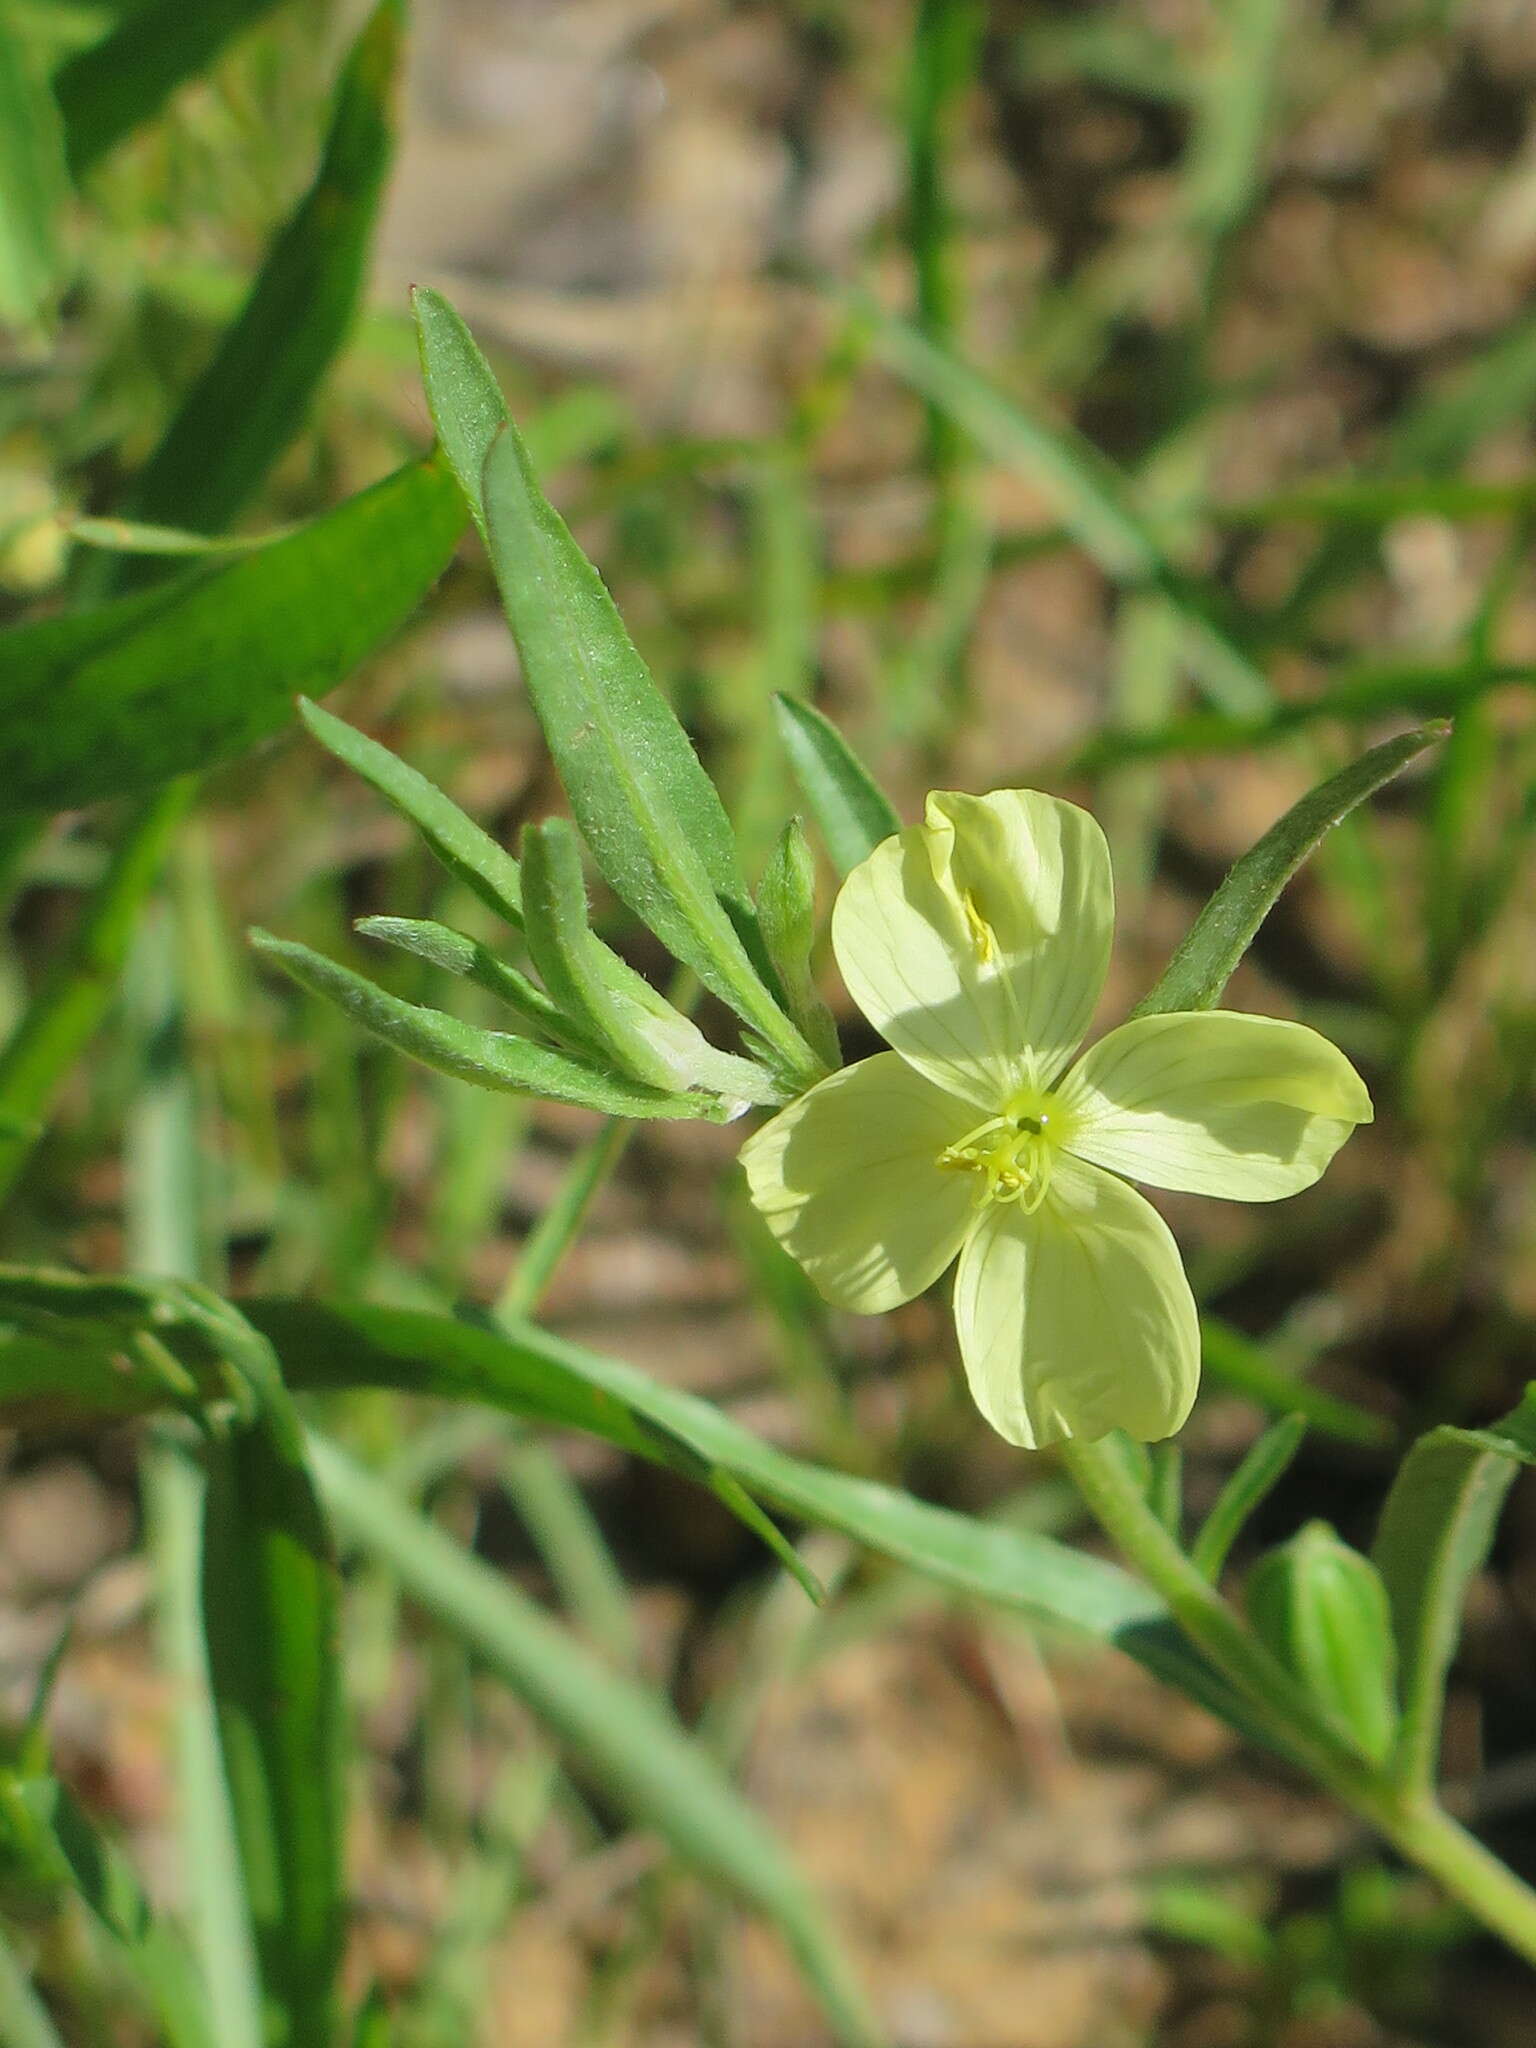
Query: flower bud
x=1322, y=1609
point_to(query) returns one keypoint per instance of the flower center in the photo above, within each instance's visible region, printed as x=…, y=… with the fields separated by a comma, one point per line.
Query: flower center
x=1014, y=1153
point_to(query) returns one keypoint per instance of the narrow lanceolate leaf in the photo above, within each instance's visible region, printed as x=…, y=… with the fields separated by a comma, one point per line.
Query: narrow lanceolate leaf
x=491, y=1059
x=786, y=908
x=455, y=953
x=531, y=1372
x=34, y=183
x=1201, y=968
x=642, y=1033
x=111, y=88
x=620, y=1732
x=463, y=396
x=254, y=396
x=133, y=692
x=577, y=653
x=851, y=810
x=269, y=1617
x=1434, y=1536
x=464, y=849
x=646, y=808
x=1263, y=1466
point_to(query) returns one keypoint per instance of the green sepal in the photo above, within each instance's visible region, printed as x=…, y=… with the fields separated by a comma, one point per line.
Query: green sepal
x=609, y=1002
x=491, y=1059
x=1322, y=1609
x=786, y=910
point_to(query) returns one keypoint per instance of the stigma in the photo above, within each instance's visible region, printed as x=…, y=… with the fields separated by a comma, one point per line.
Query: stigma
x=1012, y=1155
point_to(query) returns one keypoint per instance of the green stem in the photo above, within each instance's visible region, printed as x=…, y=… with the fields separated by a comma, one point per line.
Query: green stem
x=554, y=1233
x=1278, y=1705
x=1417, y=1827
x=1489, y=1889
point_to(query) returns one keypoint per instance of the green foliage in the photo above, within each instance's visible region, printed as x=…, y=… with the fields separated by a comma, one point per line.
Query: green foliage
x=111, y=700
x=254, y=397
x=852, y=812
x=270, y=1595
x=123, y=81
x=1435, y=1532
x=1204, y=963
x=491, y=1059
x=464, y=850
x=1322, y=1609
x=34, y=184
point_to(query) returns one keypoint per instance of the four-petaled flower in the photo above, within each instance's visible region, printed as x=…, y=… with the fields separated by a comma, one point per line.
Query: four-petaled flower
x=977, y=944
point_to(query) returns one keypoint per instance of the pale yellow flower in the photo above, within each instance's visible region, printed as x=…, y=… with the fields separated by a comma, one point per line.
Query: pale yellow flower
x=977, y=944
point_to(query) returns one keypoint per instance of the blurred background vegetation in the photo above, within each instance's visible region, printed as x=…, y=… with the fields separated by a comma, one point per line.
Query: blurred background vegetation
x=1202, y=453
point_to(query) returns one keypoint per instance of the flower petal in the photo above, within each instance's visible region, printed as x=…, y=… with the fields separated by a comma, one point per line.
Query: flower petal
x=977, y=942
x=848, y=1182
x=1078, y=1319
x=1214, y=1103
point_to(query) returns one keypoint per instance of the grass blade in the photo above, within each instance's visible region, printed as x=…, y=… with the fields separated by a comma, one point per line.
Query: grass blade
x=1086, y=492
x=269, y=1614
x=34, y=184
x=620, y=1732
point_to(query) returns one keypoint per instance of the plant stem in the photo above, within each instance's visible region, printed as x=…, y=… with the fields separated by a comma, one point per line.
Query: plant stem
x=1489, y=1889
x=1421, y=1830
x=1277, y=1703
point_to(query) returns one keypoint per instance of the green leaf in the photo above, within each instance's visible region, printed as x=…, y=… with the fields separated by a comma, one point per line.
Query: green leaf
x=454, y=953
x=253, y=398
x=852, y=812
x=620, y=1732
x=588, y=683
x=466, y=851
x=786, y=907
x=1261, y=1470
x=46, y=1839
x=1435, y=1532
x=34, y=183
x=119, y=83
x=536, y=1374
x=270, y=1621
x=1201, y=968
x=463, y=396
x=147, y=687
x=491, y=1059
x=640, y=1031
x=647, y=810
